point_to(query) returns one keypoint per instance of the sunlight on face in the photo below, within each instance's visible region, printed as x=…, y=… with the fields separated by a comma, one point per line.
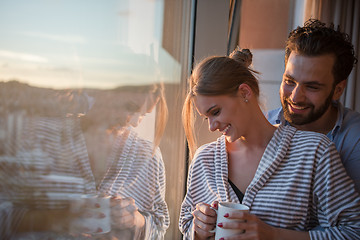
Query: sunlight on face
x=224, y=113
x=306, y=91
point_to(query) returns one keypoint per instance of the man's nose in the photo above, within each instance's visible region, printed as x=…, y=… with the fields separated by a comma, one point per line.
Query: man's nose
x=297, y=94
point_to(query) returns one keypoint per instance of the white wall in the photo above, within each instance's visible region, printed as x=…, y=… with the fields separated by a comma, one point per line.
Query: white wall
x=270, y=64
x=210, y=39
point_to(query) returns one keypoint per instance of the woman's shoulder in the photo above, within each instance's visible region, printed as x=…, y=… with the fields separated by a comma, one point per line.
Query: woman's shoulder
x=309, y=147
x=310, y=143
x=210, y=148
x=206, y=147
x=307, y=136
x=207, y=153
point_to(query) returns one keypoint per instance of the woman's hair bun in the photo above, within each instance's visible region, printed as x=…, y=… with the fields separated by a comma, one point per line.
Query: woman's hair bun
x=242, y=55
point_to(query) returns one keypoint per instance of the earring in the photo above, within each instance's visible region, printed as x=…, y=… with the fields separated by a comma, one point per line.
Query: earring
x=245, y=100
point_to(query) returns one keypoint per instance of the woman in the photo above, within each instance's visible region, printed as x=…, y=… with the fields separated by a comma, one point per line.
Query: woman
x=69, y=144
x=291, y=180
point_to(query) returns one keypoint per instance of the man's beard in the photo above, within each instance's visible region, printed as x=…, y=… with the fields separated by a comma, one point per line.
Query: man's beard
x=299, y=119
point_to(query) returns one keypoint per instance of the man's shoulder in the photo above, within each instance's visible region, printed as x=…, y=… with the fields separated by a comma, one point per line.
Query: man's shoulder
x=350, y=122
x=274, y=116
x=347, y=140
x=351, y=116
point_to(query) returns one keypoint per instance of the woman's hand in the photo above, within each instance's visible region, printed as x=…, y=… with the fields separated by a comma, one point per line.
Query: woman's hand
x=125, y=214
x=204, y=220
x=255, y=228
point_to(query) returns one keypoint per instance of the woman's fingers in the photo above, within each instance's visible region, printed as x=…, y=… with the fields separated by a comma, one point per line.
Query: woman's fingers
x=122, y=202
x=123, y=207
x=204, y=220
x=234, y=225
x=202, y=234
x=205, y=225
x=202, y=230
x=215, y=204
x=249, y=226
x=119, y=211
x=206, y=209
x=240, y=220
x=204, y=216
x=240, y=214
x=125, y=214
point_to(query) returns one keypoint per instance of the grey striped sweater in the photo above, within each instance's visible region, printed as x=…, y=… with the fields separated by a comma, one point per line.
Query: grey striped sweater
x=300, y=183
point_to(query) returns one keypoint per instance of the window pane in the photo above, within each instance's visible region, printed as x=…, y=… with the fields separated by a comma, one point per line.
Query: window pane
x=84, y=87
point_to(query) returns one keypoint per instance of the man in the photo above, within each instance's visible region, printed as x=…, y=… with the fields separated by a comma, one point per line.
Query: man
x=318, y=61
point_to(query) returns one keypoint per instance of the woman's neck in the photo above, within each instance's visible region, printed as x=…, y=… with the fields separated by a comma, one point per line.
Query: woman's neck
x=259, y=132
x=245, y=153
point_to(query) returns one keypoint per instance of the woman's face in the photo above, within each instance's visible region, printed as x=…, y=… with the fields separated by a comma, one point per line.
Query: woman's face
x=224, y=113
x=132, y=109
x=122, y=109
x=148, y=105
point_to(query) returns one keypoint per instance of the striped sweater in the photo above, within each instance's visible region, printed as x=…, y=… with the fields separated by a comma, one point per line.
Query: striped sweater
x=299, y=184
x=44, y=160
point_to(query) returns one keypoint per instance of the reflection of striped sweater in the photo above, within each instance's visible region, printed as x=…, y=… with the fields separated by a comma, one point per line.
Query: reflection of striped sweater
x=300, y=183
x=135, y=173
x=49, y=162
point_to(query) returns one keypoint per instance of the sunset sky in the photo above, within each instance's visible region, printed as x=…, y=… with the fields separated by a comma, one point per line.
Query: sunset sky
x=83, y=43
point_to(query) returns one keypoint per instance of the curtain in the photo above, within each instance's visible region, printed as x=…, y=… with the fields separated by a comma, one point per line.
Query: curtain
x=346, y=14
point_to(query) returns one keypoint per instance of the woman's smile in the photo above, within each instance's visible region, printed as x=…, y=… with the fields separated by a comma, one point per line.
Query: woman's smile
x=225, y=131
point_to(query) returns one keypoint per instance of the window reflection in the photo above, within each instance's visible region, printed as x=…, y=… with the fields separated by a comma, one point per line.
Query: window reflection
x=74, y=78
x=59, y=145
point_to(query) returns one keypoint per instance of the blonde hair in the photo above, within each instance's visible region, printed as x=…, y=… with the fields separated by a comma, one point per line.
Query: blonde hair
x=157, y=92
x=213, y=76
x=161, y=114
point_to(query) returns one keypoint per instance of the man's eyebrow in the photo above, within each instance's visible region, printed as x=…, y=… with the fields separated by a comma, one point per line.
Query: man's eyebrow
x=210, y=108
x=289, y=76
x=314, y=83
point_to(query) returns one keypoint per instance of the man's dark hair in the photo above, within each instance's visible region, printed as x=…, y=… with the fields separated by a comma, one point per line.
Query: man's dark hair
x=315, y=39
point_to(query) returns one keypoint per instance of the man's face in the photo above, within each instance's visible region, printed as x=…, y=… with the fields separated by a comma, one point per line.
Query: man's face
x=307, y=88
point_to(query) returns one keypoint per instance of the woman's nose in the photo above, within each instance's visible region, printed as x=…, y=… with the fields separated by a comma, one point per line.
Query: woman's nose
x=212, y=125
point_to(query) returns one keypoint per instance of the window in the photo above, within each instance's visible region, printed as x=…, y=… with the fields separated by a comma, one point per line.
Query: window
x=73, y=75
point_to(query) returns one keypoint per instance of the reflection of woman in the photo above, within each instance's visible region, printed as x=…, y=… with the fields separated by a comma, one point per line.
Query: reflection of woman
x=107, y=156
x=292, y=180
x=140, y=165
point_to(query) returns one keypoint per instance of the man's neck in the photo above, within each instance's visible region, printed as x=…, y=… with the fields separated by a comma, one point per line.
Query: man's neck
x=324, y=124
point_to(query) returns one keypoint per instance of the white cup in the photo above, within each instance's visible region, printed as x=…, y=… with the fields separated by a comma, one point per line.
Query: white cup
x=92, y=215
x=223, y=208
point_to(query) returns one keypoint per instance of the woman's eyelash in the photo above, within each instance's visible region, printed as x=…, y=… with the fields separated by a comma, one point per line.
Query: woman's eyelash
x=216, y=112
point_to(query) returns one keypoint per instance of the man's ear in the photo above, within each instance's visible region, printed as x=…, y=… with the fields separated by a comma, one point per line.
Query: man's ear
x=339, y=89
x=245, y=91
